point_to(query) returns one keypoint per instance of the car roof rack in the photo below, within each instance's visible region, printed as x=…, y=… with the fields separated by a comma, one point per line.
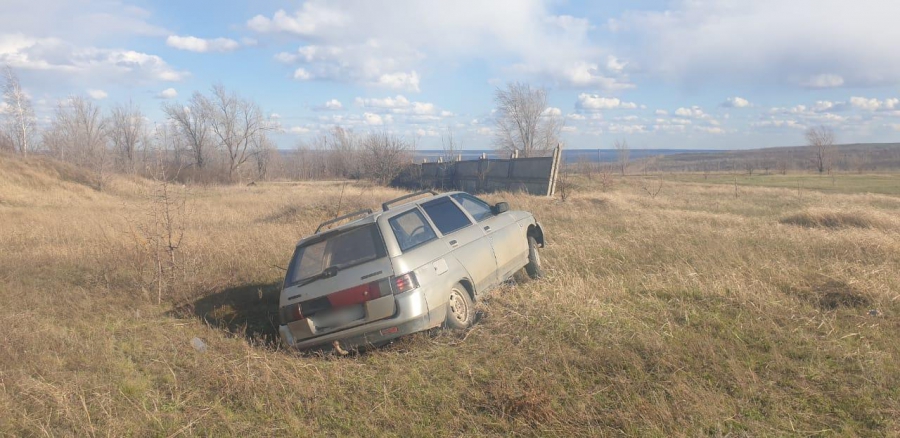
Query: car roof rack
x=386, y=205
x=365, y=211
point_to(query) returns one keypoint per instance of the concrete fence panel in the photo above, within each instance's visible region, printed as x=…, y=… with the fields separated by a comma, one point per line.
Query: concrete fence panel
x=532, y=175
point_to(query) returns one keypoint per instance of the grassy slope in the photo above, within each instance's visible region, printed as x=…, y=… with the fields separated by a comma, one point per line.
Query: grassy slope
x=882, y=183
x=693, y=312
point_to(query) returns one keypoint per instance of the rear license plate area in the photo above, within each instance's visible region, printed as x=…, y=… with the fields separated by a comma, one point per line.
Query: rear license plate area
x=337, y=317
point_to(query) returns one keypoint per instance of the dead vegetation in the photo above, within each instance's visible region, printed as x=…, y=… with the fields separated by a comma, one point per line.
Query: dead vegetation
x=687, y=313
x=822, y=218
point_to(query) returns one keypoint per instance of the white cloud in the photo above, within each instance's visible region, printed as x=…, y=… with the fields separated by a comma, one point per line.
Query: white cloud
x=427, y=132
x=694, y=112
x=369, y=63
x=863, y=103
x=373, y=119
x=385, y=103
x=399, y=81
x=575, y=116
x=386, y=43
x=416, y=112
x=808, y=43
x=298, y=130
x=201, y=45
x=553, y=112
x=736, y=102
x=661, y=112
x=97, y=94
x=826, y=80
x=617, y=128
x=78, y=22
x=67, y=61
x=168, y=93
x=709, y=129
x=778, y=123
x=594, y=102
x=485, y=131
x=331, y=105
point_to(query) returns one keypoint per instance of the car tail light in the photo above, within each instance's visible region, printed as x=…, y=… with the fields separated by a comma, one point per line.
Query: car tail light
x=290, y=313
x=405, y=283
x=355, y=295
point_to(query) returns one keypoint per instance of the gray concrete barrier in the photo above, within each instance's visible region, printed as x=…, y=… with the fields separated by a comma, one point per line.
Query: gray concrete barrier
x=536, y=175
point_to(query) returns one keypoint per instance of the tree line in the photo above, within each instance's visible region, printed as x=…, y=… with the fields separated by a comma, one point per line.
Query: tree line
x=214, y=137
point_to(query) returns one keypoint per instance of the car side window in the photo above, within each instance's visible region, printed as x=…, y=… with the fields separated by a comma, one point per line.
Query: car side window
x=446, y=216
x=479, y=209
x=411, y=229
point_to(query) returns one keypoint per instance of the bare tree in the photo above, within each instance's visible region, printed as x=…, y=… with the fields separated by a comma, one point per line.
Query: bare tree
x=263, y=151
x=19, y=113
x=78, y=134
x=623, y=151
x=126, y=132
x=820, y=140
x=385, y=156
x=449, y=146
x=523, y=122
x=343, y=153
x=235, y=122
x=192, y=122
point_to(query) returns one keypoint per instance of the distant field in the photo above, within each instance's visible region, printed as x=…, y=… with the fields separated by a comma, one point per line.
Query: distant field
x=880, y=183
x=690, y=312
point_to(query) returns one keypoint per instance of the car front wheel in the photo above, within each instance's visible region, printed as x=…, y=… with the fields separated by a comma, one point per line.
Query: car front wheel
x=460, y=308
x=533, y=267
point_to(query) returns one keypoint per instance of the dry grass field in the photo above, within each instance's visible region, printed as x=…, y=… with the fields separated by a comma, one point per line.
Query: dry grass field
x=700, y=311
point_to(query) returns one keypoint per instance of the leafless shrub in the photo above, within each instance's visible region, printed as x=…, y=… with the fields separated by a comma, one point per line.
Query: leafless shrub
x=344, y=158
x=159, y=232
x=384, y=156
x=652, y=189
x=565, y=185
x=606, y=178
x=781, y=167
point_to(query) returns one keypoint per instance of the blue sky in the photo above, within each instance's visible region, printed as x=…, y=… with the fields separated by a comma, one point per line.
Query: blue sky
x=721, y=74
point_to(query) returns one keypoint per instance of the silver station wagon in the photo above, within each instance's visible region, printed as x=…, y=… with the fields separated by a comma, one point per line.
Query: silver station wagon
x=415, y=265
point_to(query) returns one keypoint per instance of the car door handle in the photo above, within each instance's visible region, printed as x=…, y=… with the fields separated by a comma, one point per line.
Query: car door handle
x=487, y=228
x=453, y=243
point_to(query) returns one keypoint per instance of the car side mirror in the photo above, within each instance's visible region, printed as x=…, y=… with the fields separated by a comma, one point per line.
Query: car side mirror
x=500, y=207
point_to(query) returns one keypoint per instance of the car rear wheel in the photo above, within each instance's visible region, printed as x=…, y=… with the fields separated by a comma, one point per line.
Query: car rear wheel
x=460, y=308
x=533, y=267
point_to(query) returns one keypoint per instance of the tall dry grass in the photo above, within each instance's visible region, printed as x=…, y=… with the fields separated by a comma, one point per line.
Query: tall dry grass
x=690, y=312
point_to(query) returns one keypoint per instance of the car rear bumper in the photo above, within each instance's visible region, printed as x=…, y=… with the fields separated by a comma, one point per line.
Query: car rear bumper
x=412, y=316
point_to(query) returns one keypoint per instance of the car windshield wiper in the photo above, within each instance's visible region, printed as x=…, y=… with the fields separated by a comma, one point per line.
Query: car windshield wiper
x=328, y=272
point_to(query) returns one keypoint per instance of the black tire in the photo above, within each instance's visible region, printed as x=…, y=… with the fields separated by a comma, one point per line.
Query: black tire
x=533, y=268
x=460, y=309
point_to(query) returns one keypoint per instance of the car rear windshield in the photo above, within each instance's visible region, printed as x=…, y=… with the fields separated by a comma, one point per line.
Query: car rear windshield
x=342, y=249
